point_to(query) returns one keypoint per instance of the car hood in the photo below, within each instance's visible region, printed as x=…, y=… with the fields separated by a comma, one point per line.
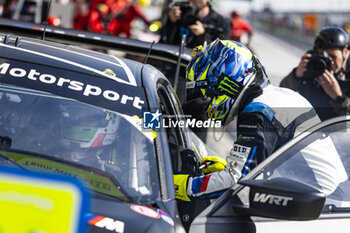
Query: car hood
x=112, y=216
x=66, y=57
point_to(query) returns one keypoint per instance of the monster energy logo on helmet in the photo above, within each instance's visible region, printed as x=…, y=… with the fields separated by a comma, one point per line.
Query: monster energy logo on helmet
x=229, y=87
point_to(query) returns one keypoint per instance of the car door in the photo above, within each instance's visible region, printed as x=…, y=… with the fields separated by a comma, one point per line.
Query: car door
x=318, y=160
x=184, y=159
x=180, y=137
x=326, y=166
x=186, y=150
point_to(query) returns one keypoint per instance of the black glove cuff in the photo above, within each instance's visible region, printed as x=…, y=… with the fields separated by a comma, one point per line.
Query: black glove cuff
x=339, y=99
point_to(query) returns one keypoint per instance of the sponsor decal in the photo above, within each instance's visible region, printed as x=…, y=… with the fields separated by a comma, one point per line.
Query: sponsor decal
x=241, y=149
x=239, y=152
x=35, y=202
x=145, y=211
x=109, y=72
x=166, y=217
x=106, y=223
x=238, y=156
x=248, y=126
x=213, y=109
x=96, y=182
x=86, y=89
x=272, y=199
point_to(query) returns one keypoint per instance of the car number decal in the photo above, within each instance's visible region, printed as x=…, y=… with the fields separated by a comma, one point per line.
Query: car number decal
x=145, y=211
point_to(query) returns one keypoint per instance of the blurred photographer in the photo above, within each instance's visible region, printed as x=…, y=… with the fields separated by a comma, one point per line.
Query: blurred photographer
x=322, y=75
x=197, y=20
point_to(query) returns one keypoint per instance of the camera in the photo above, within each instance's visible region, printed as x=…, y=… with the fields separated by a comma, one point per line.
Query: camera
x=318, y=63
x=188, y=13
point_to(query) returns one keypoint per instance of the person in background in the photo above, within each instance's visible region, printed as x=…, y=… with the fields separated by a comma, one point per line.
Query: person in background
x=98, y=17
x=124, y=12
x=239, y=27
x=197, y=20
x=322, y=75
x=8, y=8
x=81, y=12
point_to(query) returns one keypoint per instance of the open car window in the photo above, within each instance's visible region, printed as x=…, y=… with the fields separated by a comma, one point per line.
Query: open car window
x=320, y=160
x=37, y=126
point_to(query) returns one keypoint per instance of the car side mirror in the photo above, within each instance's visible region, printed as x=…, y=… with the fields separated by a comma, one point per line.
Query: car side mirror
x=282, y=198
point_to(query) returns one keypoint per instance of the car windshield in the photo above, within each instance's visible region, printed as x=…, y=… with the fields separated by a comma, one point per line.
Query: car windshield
x=107, y=150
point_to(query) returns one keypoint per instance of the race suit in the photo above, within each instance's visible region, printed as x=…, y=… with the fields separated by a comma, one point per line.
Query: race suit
x=239, y=26
x=263, y=125
x=122, y=22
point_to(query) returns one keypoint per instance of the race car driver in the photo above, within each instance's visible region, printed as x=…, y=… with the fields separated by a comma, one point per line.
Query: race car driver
x=233, y=79
x=89, y=135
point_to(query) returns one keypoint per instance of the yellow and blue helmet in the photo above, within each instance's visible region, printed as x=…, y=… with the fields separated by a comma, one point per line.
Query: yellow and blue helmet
x=222, y=71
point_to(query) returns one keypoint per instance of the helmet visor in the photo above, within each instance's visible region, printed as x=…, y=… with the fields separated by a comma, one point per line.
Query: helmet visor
x=79, y=133
x=83, y=116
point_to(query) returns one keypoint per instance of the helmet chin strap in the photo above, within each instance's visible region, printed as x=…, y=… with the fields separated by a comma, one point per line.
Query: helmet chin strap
x=234, y=124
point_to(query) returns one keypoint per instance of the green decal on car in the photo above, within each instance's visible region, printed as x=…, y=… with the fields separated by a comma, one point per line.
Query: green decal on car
x=96, y=182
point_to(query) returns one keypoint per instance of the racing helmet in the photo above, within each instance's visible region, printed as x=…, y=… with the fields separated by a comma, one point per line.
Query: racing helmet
x=87, y=130
x=223, y=71
x=331, y=37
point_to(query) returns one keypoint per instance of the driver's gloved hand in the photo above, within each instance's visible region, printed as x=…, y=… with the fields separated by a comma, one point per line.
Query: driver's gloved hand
x=236, y=161
x=181, y=187
x=211, y=164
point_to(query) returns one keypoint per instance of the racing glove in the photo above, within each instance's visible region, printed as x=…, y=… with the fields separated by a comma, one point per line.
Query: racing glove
x=211, y=164
x=223, y=175
x=180, y=182
x=208, y=186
